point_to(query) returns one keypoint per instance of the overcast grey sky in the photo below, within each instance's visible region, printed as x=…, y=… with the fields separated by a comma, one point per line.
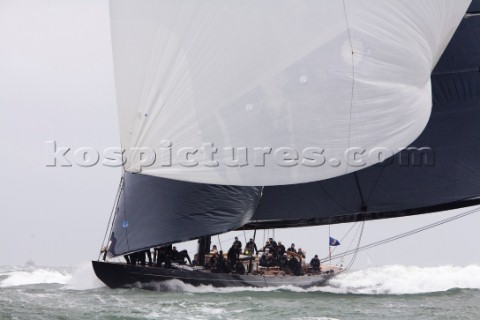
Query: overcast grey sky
x=56, y=83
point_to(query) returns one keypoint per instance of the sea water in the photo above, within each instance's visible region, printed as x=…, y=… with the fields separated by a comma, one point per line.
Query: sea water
x=388, y=292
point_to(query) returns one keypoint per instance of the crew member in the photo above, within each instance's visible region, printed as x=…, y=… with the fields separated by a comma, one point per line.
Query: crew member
x=214, y=249
x=315, y=264
x=213, y=260
x=273, y=244
x=263, y=259
x=292, y=248
x=179, y=256
x=294, y=266
x=280, y=248
x=238, y=244
x=251, y=248
x=239, y=268
x=232, y=255
x=221, y=266
x=282, y=261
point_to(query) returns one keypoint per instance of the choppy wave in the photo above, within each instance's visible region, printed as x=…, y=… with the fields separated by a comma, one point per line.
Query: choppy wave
x=83, y=278
x=21, y=277
x=395, y=279
x=78, y=278
x=398, y=279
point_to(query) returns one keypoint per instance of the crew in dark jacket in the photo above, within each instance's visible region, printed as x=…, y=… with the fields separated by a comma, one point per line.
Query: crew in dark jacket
x=315, y=264
x=239, y=268
x=251, y=248
x=280, y=248
x=295, y=266
x=273, y=244
x=263, y=260
x=163, y=254
x=282, y=261
x=179, y=256
x=232, y=255
x=292, y=248
x=221, y=266
x=238, y=244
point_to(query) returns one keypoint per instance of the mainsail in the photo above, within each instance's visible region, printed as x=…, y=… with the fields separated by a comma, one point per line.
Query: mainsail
x=154, y=210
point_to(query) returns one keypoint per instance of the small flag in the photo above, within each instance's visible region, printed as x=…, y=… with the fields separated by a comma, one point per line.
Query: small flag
x=334, y=242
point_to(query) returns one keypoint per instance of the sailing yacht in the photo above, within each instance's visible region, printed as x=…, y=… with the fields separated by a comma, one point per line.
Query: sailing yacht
x=250, y=116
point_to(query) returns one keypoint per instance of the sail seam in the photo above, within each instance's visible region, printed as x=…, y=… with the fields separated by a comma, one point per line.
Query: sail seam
x=353, y=78
x=332, y=198
x=376, y=183
x=364, y=203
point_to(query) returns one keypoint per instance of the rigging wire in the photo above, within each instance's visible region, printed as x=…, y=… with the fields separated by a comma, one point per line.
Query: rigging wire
x=231, y=238
x=405, y=234
x=351, y=242
x=329, y=247
x=110, y=226
x=350, y=245
x=352, y=261
x=359, y=228
x=345, y=235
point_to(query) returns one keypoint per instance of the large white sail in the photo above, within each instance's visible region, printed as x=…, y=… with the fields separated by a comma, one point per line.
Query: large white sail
x=294, y=85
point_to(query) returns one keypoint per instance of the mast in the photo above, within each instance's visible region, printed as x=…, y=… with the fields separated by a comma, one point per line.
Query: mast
x=203, y=249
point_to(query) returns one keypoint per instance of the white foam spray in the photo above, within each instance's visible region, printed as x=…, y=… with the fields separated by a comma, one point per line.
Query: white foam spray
x=398, y=279
x=21, y=277
x=393, y=279
x=83, y=278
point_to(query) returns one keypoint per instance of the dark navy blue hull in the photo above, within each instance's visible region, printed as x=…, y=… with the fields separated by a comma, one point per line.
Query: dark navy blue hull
x=119, y=275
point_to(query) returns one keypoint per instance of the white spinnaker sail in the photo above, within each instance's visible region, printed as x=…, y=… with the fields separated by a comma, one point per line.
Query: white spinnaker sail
x=306, y=79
